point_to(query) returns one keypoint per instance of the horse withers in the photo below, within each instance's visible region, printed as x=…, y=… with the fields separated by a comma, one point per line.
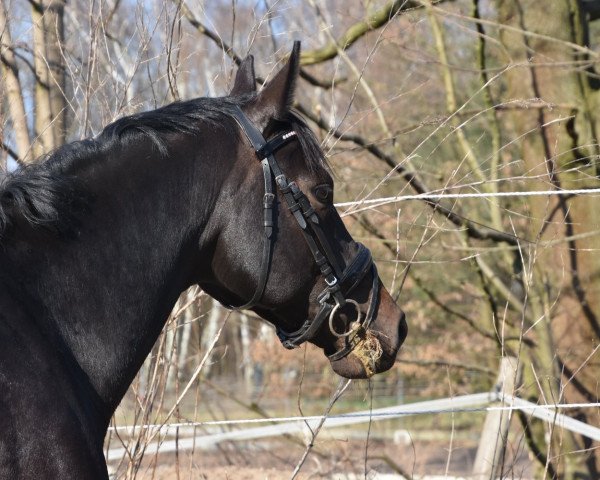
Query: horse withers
x=98, y=240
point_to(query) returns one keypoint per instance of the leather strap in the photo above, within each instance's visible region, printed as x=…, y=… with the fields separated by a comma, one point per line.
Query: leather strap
x=351, y=340
x=265, y=263
x=340, y=282
x=353, y=275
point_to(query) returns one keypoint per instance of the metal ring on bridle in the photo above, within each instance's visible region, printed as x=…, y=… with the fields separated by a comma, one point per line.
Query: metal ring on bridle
x=353, y=326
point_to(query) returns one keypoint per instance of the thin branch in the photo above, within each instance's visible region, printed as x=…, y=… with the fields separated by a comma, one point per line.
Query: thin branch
x=344, y=384
x=359, y=74
x=388, y=244
x=12, y=153
x=451, y=102
x=474, y=230
x=204, y=30
x=523, y=31
x=492, y=117
x=393, y=465
x=358, y=30
x=255, y=408
x=446, y=363
x=572, y=379
x=463, y=317
x=538, y=454
x=578, y=288
x=231, y=53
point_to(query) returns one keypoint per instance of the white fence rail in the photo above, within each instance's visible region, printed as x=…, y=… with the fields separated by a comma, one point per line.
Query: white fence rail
x=295, y=425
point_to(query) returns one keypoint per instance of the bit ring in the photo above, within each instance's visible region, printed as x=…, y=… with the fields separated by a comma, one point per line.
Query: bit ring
x=355, y=325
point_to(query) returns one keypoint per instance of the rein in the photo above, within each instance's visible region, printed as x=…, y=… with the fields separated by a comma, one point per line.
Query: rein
x=340, y=281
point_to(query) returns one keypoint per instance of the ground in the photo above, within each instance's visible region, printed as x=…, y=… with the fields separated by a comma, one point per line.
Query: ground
x=333, y=459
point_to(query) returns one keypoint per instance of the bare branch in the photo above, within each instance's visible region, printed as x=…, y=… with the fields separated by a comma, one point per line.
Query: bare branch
x=344, y=384
x=12, y=153
x=358, y=30
x=445, y=363
x=231, y=53
x=474, y=230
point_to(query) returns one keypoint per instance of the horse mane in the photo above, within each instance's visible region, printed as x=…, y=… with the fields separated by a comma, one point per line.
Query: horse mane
x=45, y=193
x=40, y=192
x=186, y=117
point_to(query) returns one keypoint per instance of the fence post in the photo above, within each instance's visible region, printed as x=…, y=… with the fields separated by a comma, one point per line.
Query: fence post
x=495, y=428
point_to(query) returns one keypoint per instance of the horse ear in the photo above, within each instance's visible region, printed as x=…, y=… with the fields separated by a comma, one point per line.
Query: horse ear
x=276, y=97
x=245, y=80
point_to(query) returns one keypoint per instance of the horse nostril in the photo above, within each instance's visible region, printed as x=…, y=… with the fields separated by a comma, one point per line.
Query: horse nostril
x=402, y=328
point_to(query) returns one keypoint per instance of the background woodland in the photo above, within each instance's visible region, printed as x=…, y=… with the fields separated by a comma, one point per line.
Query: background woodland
x=407, y=97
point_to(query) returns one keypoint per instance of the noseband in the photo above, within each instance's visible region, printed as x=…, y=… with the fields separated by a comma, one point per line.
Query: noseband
x=340, y=282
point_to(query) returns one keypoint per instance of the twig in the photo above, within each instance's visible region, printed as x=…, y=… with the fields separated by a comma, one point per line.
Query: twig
x=476, y=231
x=448, y=364
x=358, y=30
x=344, y=384
x=393, y=465
x=12, y=153
x=194, y=375
x=230, y=51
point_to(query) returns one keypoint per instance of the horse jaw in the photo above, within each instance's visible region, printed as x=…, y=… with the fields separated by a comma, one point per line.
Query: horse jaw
x=377, y=348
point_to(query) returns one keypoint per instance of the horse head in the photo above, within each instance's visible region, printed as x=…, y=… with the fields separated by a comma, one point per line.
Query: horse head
x=282, y=249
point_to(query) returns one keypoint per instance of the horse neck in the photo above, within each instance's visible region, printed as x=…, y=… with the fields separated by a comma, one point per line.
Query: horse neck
x=107, y=293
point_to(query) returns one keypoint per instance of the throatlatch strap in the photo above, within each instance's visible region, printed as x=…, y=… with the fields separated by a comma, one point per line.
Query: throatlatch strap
x=258, y=141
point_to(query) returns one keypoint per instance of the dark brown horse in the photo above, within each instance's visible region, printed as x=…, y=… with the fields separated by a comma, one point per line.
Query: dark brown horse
x=98, y=240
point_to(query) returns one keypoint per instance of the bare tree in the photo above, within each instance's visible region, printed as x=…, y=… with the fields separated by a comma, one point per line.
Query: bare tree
x=14, y=92
x=50, y=79
x=408, y=97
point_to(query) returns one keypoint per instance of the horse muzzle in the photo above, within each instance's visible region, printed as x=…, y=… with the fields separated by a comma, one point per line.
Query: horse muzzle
x=375, y=349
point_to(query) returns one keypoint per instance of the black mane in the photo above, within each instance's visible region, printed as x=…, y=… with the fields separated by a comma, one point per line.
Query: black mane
x=43, y=193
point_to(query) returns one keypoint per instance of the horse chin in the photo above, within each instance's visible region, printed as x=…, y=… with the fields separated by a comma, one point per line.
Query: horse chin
x=370, y=355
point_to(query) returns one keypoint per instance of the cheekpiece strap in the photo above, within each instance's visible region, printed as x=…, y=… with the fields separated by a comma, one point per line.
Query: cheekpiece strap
x=340, y=282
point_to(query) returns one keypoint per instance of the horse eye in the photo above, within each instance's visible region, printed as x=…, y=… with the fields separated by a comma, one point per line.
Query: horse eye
x=324, y=193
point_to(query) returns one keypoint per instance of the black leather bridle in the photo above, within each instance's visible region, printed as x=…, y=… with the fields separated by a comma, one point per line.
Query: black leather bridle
x=340, y=282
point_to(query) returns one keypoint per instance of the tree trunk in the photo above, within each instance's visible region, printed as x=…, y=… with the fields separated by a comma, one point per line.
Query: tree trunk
x=10, y=78
x=50, y=100
x=562, y=151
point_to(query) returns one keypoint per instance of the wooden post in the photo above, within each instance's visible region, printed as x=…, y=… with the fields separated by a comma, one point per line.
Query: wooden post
x=495, y=428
